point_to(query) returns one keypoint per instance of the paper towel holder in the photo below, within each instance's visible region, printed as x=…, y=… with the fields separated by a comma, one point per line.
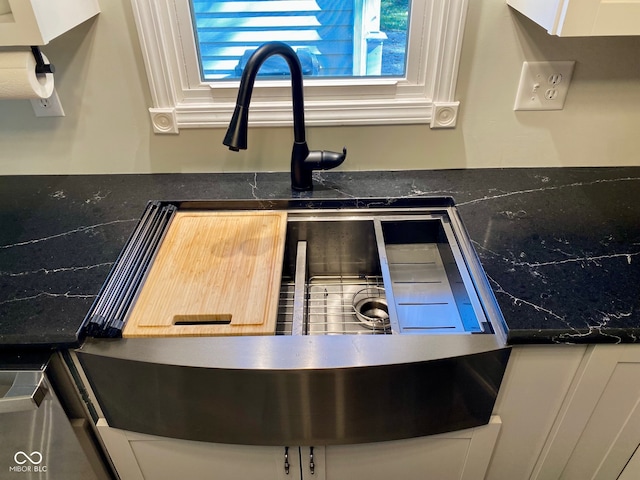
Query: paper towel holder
x=41, y=66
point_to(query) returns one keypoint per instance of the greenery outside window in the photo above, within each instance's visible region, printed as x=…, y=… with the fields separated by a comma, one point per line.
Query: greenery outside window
x=193, y=59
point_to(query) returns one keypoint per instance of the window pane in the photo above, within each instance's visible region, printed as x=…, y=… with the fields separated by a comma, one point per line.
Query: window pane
x=333, y=38
x=394, y=21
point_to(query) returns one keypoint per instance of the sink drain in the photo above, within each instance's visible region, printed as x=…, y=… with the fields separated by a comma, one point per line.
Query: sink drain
x=371, y=308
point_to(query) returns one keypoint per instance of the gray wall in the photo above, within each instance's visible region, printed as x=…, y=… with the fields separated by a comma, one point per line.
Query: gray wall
x=103, y=88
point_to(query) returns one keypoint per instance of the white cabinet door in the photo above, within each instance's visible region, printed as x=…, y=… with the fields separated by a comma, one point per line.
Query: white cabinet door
x=138, y=457
x=531, y=395
x=598, y=427
x=462, y=455
x=569, y=18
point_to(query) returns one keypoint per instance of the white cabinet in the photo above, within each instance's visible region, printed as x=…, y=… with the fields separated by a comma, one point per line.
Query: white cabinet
x=597, y=429
x=581, y=18
x=36, y=22
x=531, y=395
x=569, y=413
x=462, y=455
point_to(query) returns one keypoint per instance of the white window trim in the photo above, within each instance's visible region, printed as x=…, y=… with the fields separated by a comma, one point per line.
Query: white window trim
x=182, y=100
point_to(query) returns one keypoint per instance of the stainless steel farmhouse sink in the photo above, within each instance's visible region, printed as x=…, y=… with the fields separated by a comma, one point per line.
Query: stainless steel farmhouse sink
x=385, y=327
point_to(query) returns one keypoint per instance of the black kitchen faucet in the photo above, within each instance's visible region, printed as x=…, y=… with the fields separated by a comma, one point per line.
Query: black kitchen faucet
x=303, y=161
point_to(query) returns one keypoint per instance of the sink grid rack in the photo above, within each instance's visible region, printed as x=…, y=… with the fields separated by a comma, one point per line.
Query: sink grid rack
x=329, y=305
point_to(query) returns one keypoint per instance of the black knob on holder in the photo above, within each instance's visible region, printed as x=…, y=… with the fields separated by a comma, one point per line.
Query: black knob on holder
x=41, y=67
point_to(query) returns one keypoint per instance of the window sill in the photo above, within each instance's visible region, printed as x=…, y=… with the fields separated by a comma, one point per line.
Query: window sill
x=278, y=114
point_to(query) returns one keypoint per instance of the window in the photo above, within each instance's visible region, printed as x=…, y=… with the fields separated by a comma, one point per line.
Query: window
x=333, y=38
x=359, y=89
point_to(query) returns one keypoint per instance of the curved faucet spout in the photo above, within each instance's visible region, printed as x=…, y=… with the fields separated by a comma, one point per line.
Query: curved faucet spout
x=236, y=138
x=303, y=162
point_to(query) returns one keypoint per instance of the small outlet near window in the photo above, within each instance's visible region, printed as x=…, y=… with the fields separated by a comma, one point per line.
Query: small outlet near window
x=544, y=85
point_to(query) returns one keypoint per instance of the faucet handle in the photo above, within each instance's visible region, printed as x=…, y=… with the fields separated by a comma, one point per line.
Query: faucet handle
x=324, y=160
x=304, y=162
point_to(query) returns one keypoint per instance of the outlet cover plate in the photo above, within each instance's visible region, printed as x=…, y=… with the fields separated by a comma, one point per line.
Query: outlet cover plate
x=48, y=107
x=544, y=85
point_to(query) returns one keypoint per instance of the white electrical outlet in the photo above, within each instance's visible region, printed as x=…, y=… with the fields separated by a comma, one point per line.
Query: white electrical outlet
x=48, y=107
x=544, y=85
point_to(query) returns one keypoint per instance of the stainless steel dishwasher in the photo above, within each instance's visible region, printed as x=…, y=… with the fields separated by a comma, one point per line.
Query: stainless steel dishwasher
x=37, y=438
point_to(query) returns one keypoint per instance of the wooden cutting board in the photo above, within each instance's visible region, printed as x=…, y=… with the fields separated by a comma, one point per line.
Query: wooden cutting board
x=216, y=273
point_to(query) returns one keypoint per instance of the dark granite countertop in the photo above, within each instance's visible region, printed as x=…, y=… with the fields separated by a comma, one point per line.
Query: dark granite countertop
x=560, y=246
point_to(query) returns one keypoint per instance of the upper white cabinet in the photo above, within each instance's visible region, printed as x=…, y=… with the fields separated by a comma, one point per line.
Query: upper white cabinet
x=581, y=18
x=36, y=22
